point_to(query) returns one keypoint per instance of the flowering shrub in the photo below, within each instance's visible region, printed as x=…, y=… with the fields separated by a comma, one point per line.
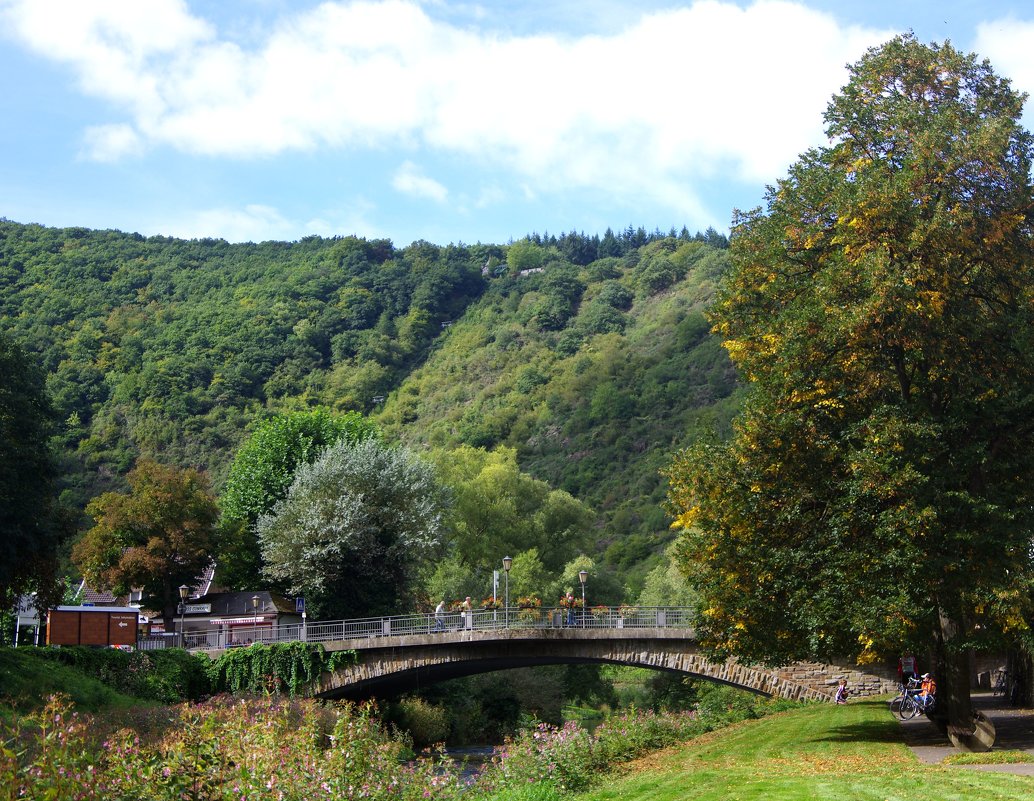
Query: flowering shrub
x=560, y=757
x=276, y=748
x=529, y=602
x=222, y=750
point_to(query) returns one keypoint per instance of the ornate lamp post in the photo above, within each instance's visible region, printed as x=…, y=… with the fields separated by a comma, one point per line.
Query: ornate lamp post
x=184, y=592
x=507, y=562
x=582, y=576
x=254, y=617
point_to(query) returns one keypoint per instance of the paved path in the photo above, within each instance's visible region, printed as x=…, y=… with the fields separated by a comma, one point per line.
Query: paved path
x=1014, y=729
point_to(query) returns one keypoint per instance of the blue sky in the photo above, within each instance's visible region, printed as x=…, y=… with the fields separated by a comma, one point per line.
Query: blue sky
x=439, y=120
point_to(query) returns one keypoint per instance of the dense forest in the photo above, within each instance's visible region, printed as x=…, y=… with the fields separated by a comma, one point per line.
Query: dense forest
x=589, y=356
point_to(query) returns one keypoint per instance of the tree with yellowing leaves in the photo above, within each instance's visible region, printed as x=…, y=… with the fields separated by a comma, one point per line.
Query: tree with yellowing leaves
x=157, y=536
x=877, y=492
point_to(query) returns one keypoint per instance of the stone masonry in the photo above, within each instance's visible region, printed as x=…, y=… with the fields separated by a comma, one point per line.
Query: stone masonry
x=419, y=660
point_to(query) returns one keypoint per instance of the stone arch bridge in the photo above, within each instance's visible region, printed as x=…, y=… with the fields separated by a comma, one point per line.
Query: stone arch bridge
x=405, y=653
x=415, y=661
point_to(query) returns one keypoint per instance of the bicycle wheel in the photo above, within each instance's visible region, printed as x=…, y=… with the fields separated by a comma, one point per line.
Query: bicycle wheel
x=909, y=708
x=895, y=704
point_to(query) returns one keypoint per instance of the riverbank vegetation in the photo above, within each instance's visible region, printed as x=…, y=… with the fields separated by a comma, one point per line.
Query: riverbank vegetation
x=278, y=748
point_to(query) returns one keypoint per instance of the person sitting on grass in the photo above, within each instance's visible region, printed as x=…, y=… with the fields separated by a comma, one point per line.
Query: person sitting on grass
x=841, y=696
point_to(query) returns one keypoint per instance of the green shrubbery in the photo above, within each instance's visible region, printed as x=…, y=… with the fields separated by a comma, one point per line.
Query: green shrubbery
x=280, y=668
x=270, y=749
x=172, y=675
x=166, y=676
x=275, y=748
x=568, y=759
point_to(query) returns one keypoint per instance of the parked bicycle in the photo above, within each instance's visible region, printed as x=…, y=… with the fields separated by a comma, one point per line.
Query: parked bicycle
x=913, y=704
x=1009, y=686
x=905, y=691
x=1001, y=684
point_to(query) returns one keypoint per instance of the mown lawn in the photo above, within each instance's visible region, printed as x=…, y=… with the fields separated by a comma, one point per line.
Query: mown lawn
x=820, y=752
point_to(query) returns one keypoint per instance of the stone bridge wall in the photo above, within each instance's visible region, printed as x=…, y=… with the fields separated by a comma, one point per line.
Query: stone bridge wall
x=421, y=660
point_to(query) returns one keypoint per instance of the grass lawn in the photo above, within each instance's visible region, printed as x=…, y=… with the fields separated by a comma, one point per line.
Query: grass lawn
x=823, y=752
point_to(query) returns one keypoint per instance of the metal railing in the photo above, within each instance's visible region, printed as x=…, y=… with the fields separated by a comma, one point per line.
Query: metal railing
x=612, y=617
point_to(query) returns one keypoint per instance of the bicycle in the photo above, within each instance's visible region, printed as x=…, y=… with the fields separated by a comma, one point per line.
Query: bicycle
x=911, y=705
x=904, y=692
x=1001, y=685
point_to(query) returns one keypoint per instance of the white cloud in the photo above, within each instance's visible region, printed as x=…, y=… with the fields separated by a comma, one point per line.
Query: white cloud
x=259, y=223
x=1007, y=44
x=676, y=96
x=409, y=180
x=108, y=143
x=252, y=223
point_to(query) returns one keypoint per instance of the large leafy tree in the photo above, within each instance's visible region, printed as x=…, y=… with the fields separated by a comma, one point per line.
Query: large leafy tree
x=157, y=536
x=355, y=529
x=498, y=510
x=262, y=472
x=30, y=526
x=877, y=492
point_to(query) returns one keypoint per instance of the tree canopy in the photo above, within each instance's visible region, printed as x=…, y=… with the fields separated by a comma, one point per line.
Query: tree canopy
x=355, y=529
x=499, y=510
x=157, y=536
x=262, y=472
x=30, y=529
x=878, y=486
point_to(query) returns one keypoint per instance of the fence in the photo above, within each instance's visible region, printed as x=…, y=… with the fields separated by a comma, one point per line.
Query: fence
x=601, y=617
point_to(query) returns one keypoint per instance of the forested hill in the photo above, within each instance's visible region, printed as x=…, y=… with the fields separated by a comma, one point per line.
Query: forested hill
x=590, y=356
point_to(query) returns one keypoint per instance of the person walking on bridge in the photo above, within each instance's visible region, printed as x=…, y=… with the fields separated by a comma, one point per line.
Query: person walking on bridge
x=439, y=616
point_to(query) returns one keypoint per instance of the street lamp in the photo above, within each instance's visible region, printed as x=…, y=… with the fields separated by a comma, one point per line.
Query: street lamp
x=507, y=561
x=184, y=592
x=254, y=616
x=582, y=576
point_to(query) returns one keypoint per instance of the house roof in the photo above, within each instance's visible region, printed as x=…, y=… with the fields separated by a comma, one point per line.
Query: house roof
x=88, y=596
x=239, y=603
x=203, y=585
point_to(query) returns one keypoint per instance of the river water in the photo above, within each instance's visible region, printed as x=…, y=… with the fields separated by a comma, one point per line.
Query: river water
x=472, y=758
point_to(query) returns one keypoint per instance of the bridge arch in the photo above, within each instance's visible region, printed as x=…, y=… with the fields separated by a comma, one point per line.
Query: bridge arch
x=416, y=661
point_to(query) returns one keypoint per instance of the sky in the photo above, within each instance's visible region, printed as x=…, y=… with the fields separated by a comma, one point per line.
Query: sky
x=443, y=120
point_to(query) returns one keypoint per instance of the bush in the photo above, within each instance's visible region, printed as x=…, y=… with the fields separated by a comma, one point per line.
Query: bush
x=166, y=676
x=426, y=723
x=223, y=750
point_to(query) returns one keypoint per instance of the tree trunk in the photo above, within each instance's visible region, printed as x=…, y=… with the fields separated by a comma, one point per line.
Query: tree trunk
x=954, y=704
x=169, y=614
x=967, y=729
x=1020, y=664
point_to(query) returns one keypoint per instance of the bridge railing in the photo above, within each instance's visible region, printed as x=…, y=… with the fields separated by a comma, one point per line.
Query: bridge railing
x=613, y=617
